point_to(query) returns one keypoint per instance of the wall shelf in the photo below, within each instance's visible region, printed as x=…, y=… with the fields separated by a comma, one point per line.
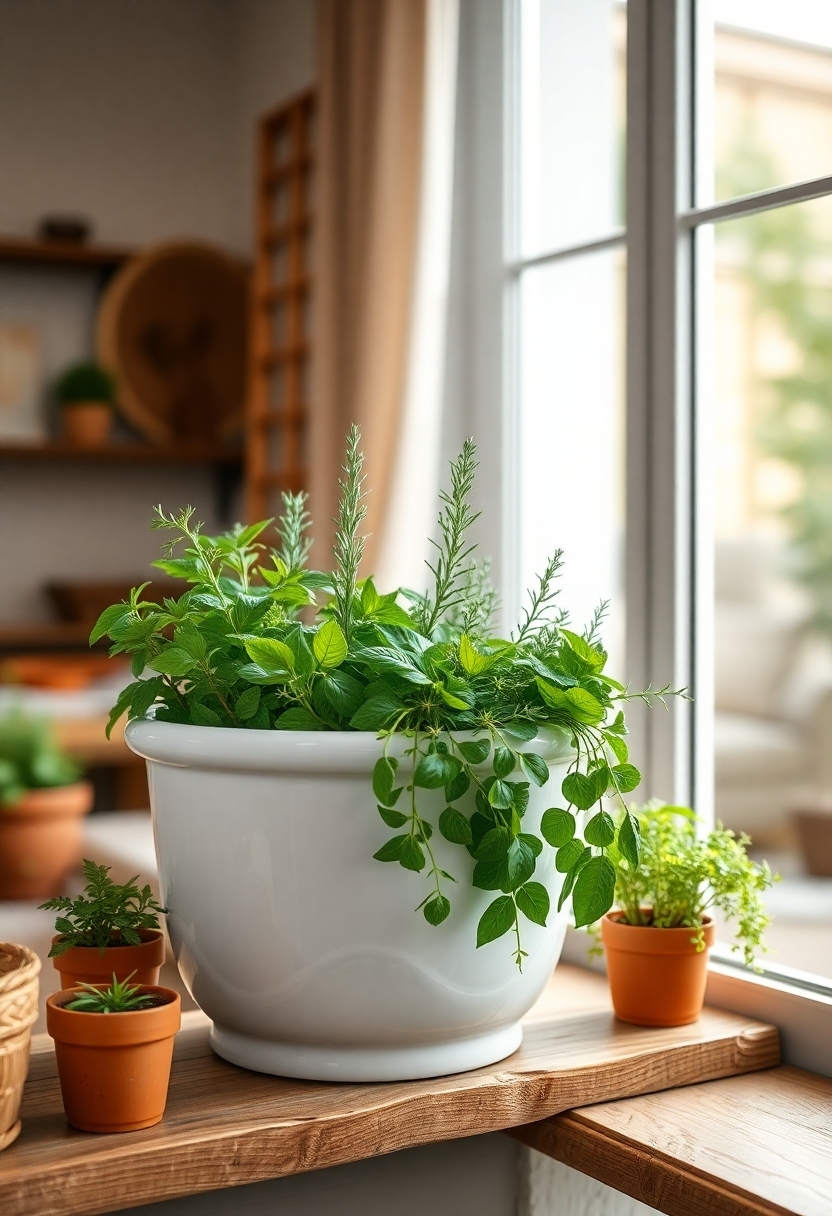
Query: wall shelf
x=121, y=453
x=63, y=253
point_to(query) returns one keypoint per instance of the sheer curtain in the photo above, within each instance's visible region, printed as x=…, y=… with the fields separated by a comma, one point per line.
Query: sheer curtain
x=385, y=187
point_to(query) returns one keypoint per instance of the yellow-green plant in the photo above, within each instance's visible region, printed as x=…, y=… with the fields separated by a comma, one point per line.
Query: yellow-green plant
x=683, y=875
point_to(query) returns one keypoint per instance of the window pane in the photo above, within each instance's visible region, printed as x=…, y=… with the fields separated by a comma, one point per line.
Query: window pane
x=772, y=99
x=773, y=559
x=571, y=433
x=572, y=106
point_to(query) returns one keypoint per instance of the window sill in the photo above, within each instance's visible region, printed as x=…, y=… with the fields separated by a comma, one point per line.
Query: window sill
x=758, y=1145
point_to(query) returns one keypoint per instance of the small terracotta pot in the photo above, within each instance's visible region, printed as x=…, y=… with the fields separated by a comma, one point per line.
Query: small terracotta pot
x=87, y=423
x=41, y=839
x=657, y=976
x=114, y=1068
x=89, y=965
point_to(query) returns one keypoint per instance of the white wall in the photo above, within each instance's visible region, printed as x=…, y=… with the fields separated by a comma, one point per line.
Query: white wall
x=139, y=114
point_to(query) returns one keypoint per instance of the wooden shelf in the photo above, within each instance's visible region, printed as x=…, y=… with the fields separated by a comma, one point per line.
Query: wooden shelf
x=120, y=453
x=758, y=1145
x=63, y=253
x=225, y=1126
x=44, y=635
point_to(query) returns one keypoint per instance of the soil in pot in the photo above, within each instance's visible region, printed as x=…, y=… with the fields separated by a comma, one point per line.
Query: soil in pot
x=40, y=840
x=19, y=968
x=657, y=976
x=114, y=1068
x=89, y=965
x=87, y=424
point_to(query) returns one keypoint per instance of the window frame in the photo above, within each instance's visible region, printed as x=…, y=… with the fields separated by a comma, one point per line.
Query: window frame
x=669, y=558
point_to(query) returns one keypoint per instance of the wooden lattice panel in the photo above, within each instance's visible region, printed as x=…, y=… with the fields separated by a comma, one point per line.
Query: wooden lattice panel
x=280, y=337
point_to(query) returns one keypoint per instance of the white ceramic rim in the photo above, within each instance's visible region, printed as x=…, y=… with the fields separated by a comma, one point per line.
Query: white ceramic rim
x=229, y=748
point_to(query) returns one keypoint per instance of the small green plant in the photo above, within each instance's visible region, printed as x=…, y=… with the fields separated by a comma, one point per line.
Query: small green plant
x=683, y=875
x=105, y=914
x=85, y=382
x=122, y=997
x=30, y=758
x=234, y=651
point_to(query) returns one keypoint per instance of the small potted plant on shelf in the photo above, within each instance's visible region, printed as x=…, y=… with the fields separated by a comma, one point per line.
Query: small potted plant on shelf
x=86, y=394
x=657, y=939
x=111, y=929
x=42, y=803
x=316, y=778
x=114, y=1048
x=19, y=968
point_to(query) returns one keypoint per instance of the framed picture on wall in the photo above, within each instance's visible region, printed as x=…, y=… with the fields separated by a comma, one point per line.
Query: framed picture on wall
x=21, y=411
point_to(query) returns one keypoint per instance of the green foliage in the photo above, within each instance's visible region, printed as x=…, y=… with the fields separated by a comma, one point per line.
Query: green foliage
x=30, y=758
x=121, y=997
x=260, y=642
x=85, y=382
x=105, y=914
x=681, y=876
x=782, y=257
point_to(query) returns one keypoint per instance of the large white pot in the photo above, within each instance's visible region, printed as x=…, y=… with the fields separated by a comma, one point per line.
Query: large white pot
x=308, y=955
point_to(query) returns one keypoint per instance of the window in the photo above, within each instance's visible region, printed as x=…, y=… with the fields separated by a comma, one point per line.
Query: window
x=720, y=331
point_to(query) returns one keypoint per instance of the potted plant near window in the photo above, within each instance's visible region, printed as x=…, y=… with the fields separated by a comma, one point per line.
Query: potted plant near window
x=19, y=968
x=114, y=1049
x=86, y=394
x=42, y=803
x=315, y=784
x=657, y=939
x=111, y=929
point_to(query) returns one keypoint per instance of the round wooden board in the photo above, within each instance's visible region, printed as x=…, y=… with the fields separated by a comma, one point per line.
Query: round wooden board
x=172, y=327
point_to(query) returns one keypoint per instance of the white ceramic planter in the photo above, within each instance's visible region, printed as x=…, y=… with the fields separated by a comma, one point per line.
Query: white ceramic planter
x=306, y=953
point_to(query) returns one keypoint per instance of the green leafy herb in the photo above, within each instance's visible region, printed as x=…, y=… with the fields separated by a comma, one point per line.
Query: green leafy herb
x=257, y=641
x=29, y=758
x=106, y=913
x=682, y=875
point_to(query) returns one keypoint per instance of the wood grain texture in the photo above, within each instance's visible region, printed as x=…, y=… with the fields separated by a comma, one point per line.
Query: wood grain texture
x=745, y=1146
x=225, y=1126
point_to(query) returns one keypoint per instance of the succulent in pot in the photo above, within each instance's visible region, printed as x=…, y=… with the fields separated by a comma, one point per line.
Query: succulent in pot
x=114, y=1049
x=42, y=804
x=111, y=929
x=657, y=940
x=86, y=394
x=324, y=758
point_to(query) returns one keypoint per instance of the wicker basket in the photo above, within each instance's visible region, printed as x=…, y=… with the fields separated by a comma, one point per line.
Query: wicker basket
x=19, y=969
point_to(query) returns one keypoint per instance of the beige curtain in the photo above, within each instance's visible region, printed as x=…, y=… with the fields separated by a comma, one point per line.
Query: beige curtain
x=371, y=107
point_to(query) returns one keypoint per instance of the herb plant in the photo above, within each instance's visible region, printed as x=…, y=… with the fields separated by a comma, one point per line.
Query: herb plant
x=85, y=382
x=105, y=914
x=120, y=997
x=235, y=651
x=30, y=758
x=682, y=876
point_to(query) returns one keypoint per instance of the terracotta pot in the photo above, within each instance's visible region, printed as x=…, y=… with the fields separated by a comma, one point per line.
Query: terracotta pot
x=657, y=976
x=87, y=423
x=89, y=965
x=41, y=839
x=19, y=969
x=114, y=1068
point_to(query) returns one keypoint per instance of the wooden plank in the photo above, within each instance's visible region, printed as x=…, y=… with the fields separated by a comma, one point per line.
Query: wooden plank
x=755, y=1145
x=225, y=1126
x=120, y=453
x=63, y=253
